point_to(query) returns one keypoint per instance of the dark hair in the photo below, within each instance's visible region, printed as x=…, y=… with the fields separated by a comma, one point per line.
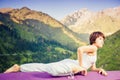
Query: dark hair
x=95, y=35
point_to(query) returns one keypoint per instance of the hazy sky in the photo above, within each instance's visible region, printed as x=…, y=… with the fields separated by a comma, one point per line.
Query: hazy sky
x=60, y=8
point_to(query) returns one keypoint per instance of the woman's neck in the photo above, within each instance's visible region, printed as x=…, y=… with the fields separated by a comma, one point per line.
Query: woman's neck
x=95, y=45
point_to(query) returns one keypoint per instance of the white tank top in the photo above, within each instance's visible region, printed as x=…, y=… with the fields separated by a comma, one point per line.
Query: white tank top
x=88, y=60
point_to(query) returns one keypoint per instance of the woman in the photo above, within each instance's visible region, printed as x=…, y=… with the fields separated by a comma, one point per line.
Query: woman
x=87, y=56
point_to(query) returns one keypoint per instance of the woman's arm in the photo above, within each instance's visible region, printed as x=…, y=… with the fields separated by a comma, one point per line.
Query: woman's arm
x=85, y=49
x=79, y=55
x=99, y=70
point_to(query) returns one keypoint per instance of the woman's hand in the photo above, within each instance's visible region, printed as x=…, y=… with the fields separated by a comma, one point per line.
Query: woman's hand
x=102, y=71
x=99, y=70
x=79, y=69
x=83, y=72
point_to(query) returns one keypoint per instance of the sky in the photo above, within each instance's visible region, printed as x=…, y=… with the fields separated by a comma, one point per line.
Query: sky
x=58, y=9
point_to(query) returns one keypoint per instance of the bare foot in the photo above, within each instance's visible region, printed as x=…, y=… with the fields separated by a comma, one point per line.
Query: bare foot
x=14, y=68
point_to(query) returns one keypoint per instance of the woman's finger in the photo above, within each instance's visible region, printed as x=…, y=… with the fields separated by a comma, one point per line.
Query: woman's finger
x=105, y=74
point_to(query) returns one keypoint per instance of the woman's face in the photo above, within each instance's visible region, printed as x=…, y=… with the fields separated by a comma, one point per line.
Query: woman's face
x=99, y=42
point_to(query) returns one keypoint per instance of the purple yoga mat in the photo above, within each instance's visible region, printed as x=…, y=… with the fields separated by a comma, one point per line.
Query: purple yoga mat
x=112, y=75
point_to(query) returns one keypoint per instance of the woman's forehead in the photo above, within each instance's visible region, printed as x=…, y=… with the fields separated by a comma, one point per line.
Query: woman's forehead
x=100, y=37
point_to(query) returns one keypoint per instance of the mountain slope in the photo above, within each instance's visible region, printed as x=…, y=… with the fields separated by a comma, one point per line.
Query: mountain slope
x=40, y=22
x=5, y=10
x=85, y=21
x=19, y=15
x=109, y=55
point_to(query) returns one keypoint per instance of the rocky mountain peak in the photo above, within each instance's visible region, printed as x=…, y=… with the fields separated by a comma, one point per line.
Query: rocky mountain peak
x=5, y=10
x=113, y=12
x=25, y=8
x=85, y=21
x=77, y=16
x=19, y=15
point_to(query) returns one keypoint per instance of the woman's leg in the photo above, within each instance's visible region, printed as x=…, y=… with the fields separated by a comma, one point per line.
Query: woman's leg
x=14, y=68
x=29, y=67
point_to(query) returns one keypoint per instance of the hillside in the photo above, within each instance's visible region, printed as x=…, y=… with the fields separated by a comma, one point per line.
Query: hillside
x=86, y=21
x=44, y=24
x=109, y=55
x=19, y=15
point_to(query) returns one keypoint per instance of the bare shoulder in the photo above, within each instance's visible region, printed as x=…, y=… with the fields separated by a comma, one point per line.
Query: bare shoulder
x=88, y=48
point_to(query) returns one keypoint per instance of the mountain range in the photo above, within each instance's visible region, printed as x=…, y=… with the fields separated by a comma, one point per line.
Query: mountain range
x=85, y=21
x=40, y=21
